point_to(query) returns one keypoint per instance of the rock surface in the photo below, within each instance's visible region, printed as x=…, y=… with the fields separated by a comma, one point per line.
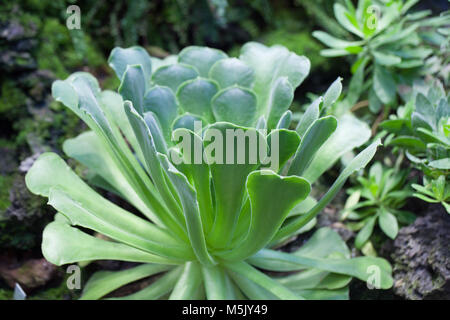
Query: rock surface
x=30, y=274
x=421, y=257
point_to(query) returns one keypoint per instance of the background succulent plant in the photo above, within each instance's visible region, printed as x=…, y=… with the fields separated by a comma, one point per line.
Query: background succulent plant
x=204, y=227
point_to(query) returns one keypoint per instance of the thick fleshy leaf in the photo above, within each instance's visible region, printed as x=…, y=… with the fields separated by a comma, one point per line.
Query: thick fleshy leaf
x=279, y=101
x=133, y=87
x=311, y=114
x=288, y=142
x=191, y=211
x=350, y=133
x=121, y=58
x=88, y=149
x=189, y=283
x=104, y=282
x=188, y=121
x=267, y=215
x=97, y=214
x=153, y=166
x=235, y=105
x=360, y=161
x=157, y=289
x=151, y=120
x=232, y=71
x=313, y=139
x=202, y=58
x=229, y=172
x=338, y=294
x=84, y=207
x=285, y=120
x=356, y=267
x=174, y=75
x=332, y=94
x=251, y=289
x=199, y=171
x=262, y=280
x=217, y=284
x=269, y=64
x=162, y=102
x=62, y=244
x=195, y=97
x=314, y=279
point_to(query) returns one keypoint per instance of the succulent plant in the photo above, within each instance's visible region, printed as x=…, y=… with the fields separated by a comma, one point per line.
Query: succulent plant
x=206, y=226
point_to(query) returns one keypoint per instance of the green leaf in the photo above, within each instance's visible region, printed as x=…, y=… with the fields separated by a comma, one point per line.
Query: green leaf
x=251, y=289
x=311, y=114
x=217, y=284
x=189, y=283
x=133, y=87
x=262, y=280
x=288, y=142
x=153, y=167
x=313, y=139
x=63, y=244
x=365, y=233
x=332, y=94
x=235, y=105
x=268, y=215
x=202, y=58
x=88, y=149
x=443, y=164
x=157, y=289
x=280, y=100
x=375, y=104
x=360, y=161
x=121, y=58
x=386, y=59
x=334, y=53
x=98, y=214
x=333, y=42
x=356, y=267
x=384, y=84
x=408, y=142
x=269, y=64
x=162, y=102
x=350, y=133
x=199, y=171
x=388, y=223
x=174, y=75
x=232, y=71
x=104, y=282
x=189, y=202
x=285, y=120
x=341, y=15
x=187, y=121
x=229, y=173
x=195, y=97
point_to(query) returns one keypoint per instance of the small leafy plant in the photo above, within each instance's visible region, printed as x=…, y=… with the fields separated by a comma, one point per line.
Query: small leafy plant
x=421, y=130
x=205, y=226
x=378, y=199
x=393, y=46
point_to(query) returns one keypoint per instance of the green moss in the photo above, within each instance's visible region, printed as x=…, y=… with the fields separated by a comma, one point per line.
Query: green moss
x=57, y=293
x=5, y=186
x=11, y=98
x=6, y=294
x=72, y=47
